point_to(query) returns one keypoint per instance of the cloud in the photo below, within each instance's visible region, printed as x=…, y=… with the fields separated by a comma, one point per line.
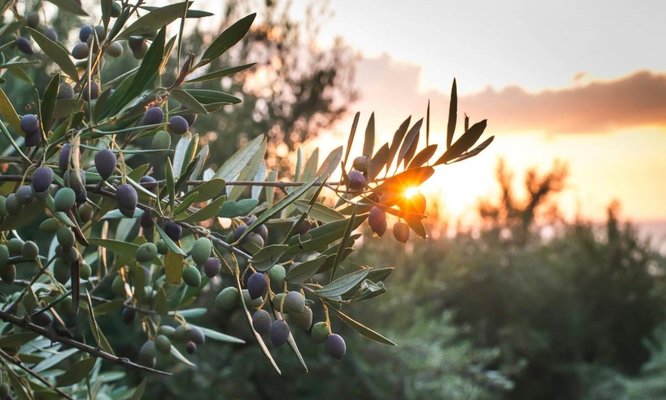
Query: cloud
x=588, y=106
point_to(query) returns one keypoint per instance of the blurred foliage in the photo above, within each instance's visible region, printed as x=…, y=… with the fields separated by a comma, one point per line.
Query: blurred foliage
x=573, y=314
x=296, y=90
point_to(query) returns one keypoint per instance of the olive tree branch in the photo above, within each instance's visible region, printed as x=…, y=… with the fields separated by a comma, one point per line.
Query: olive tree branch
x=19, y=364
x=93, y=351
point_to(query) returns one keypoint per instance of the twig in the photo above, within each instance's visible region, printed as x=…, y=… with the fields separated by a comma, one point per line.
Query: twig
x=93, y=351
x=32, y=281
x=23, y=282
x=34, y=374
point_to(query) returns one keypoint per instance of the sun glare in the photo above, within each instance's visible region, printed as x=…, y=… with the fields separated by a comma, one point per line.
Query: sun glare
x=411, y=192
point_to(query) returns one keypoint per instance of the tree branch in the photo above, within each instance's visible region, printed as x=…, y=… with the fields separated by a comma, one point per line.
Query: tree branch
x=34, y=374
x=93, y=351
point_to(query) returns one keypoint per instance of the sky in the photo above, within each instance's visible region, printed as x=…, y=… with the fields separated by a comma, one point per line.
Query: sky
x=582, y=82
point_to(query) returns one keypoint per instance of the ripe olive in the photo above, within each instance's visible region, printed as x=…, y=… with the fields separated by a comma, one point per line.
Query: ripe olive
x=153, y=116
x=127, y=199
x=401, y=232
x=361, y=163
x=42, y=179
x=105, y=163
x=190, y=347
x=128, y=315
x=80, y=51
x=212, y=266
x=279, y=332
x=195, y=335
x=261, y=321
x=23, y=44
x=377, y=220
x=356, y=180
x=173, y=230
x=29, y=123
x=148, y=182
x=178, y=125
x=335, y=346
x=257, y=285
x=24, y=194
x=115, y=49
x=85, y=32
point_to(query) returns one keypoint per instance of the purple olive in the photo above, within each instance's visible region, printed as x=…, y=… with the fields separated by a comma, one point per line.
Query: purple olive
x=279, y=333
x=42, y=179
x=178, y=125
x=356, y=180
x=335, y=346
x=105, y=163
x=377, y=220
x=257, y=285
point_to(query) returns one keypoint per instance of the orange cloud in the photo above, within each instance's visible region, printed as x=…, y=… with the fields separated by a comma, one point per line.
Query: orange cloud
x=593, y=107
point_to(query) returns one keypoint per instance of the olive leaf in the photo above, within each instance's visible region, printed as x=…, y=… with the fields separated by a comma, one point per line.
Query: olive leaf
x=342, y=285
x=369, y=142
x=226, y=39
x=453, y=115
x=155, y=20
x=221, y=73
x=360, y=328
x=463, y=144
x=56, y=52
x=268, y=256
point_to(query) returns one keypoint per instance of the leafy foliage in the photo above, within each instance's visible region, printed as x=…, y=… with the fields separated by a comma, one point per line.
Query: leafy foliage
x=92, y=234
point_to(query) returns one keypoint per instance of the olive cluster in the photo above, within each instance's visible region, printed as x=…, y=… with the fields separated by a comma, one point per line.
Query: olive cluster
x=378, y=225
x=289, y=307
x=252, y=240
x=190, y=335
x=72, y=197
x=356, y=178
x=32, y=19
x=377, y=219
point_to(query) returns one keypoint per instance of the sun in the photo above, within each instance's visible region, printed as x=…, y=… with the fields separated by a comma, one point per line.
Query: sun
x=411, y=192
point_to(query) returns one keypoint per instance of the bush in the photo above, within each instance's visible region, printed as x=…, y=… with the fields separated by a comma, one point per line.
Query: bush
x=575, y=315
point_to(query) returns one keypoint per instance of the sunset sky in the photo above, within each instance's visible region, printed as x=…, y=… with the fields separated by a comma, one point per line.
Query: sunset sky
x=582, y=82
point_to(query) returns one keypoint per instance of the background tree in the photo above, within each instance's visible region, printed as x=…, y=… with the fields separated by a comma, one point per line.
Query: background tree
x=577, y=315
x=296, y=88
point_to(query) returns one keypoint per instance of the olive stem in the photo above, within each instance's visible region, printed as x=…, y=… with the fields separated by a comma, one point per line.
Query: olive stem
x=42, y=269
